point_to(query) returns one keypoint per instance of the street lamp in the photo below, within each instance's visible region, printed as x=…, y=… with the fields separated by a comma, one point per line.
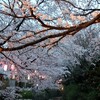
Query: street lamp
x=5, y=67
x=28, y=77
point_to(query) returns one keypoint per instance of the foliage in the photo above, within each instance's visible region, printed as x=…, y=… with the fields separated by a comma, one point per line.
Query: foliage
x=71, y=92
x=27, y=26
x=5, y=84
x=26, y=94
x=85, y=87
x=44, y=18
x=10, y=93
x=47, y=94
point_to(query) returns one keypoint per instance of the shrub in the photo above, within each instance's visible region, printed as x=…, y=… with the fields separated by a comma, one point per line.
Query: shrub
x=26, y=94
x=86, y=89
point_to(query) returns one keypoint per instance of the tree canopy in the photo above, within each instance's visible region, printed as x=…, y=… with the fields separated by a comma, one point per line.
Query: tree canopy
x=43, y=22
x=29, y=28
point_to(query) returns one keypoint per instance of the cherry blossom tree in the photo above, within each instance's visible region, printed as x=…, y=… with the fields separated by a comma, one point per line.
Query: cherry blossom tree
x=29, y=29
x=48, y=21
x=81, y=49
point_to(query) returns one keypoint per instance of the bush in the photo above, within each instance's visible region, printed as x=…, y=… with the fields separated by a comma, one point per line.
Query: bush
x=86, y=89
x=26, y=94
x=71, y=92
x=47, y=94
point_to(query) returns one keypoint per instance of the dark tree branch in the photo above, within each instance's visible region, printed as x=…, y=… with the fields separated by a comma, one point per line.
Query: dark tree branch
x=71, y=31
x=19, y=25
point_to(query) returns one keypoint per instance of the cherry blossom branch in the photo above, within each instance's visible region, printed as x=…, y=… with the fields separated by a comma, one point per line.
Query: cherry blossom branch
x=73, y=30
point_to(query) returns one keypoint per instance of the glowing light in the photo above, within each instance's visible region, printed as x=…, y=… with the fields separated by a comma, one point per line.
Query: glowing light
x=62, y=88
x=16, y=71
x=12, y=67
x=40, y=76
x=28, y=77
x=5, y=67
x=37, y=85
x=59, y=81
x=43, y=77
x=13, y=77
x=35, y=71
